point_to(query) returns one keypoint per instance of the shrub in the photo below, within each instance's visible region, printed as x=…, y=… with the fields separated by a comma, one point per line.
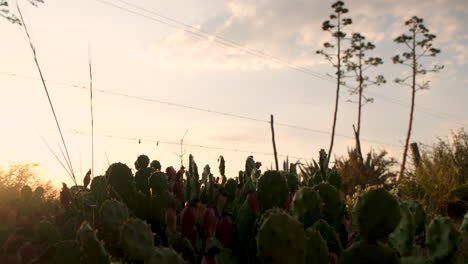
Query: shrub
x=375, y=169
x=440, y=182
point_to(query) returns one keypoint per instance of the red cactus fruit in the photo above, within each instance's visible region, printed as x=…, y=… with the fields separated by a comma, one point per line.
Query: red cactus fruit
x=224, y=230
x=87, y=179
x=180, y=173
x=258, y=165
x=252, y=201
x=288, y=201
x=178, y=190
x=209, y=222
x=188, y=219
x=171, y=172
x=208, y=260
x=332, y=258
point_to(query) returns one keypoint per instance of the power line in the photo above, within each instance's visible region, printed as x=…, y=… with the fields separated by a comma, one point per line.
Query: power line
x=264, y=55
x=157, y=142
x=193, y=108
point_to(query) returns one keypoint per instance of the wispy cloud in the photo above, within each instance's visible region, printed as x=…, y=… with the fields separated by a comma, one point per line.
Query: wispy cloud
x=291, y=30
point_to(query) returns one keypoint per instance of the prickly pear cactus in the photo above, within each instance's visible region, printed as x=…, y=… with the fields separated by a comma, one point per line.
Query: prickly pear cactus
x=99, y=188
x=142, y=162
x=281, y=239
x=402, y=238
x=120, y=178
x=46, y=233
x=136, y=239
x=306, y=206
x=329, y=235
x=158, y=183
x=156, y=165
x=112, y=215
x=272, y=190
x=142, y=175
x=419, y=215
x=26, y=193
x=442, y=241
x=93, y=249
x=165, y=255
x=414, y=260
x=376, y=214
x=316, y=248
x=369, y=252
x=333, y=206
x=464, y=224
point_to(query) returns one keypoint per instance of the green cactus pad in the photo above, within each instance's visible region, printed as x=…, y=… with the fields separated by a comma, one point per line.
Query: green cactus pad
x=272, y=190
x=402, y=238
x=142, y=162
x=415, y=260
x=328, y=234
x=281, y=239
x=26, y=193
x=316, y=249
x=112, y=214
x=366, y=253
x=99, y=188
x=136, y=239
x=464, y=224
x=164, y=255
x=333, y=206
x=376, y=214
x=442, y=241
x=46, y=233
x=293, y=181
x=158, y=182
x=419, y=215
x=120, y=177
x=93, y=249
x=155, y=164
x=306, y=206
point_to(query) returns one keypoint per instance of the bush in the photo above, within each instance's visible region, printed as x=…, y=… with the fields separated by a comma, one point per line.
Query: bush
x=440, y=182
x=375, y=169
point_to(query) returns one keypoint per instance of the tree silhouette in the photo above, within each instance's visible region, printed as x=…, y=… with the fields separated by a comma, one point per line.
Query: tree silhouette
x=357, y=64
x=418, y=42
x=6, y=13
x=334, y=26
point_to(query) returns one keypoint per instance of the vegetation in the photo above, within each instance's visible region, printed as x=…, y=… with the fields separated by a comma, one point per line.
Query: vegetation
x=189, y=217
x=335, y=27
x=5, y=10
x=440, y=182
x=419, y=44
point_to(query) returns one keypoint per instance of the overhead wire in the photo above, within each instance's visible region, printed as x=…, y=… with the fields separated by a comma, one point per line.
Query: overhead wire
x=200, y=109
x=262, y=54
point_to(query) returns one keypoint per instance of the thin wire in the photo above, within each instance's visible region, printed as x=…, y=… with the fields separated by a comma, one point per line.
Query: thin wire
x=178, y=143
x=92, y=112
x=236, y=45
x=193, y=108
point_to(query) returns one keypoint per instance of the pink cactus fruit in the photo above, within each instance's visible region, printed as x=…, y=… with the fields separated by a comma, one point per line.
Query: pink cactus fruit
x=288, y=201
x=188, y=219
x=180, y=173
x=209, y=222
x=171, y=172
x=258, y=164
x=208, y=260
x=87, y=179
x=252, y=201
x=332, y=258
x=224, y=230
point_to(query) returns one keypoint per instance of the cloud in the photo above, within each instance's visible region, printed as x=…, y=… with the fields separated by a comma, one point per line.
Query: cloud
x=290, y=29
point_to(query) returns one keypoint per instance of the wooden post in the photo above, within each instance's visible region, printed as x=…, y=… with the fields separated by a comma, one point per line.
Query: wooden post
x=416, y=155
x=274, y=143
x=358, y=143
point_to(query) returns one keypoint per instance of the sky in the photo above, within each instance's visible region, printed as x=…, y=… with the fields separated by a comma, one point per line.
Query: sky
x=135, y=52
